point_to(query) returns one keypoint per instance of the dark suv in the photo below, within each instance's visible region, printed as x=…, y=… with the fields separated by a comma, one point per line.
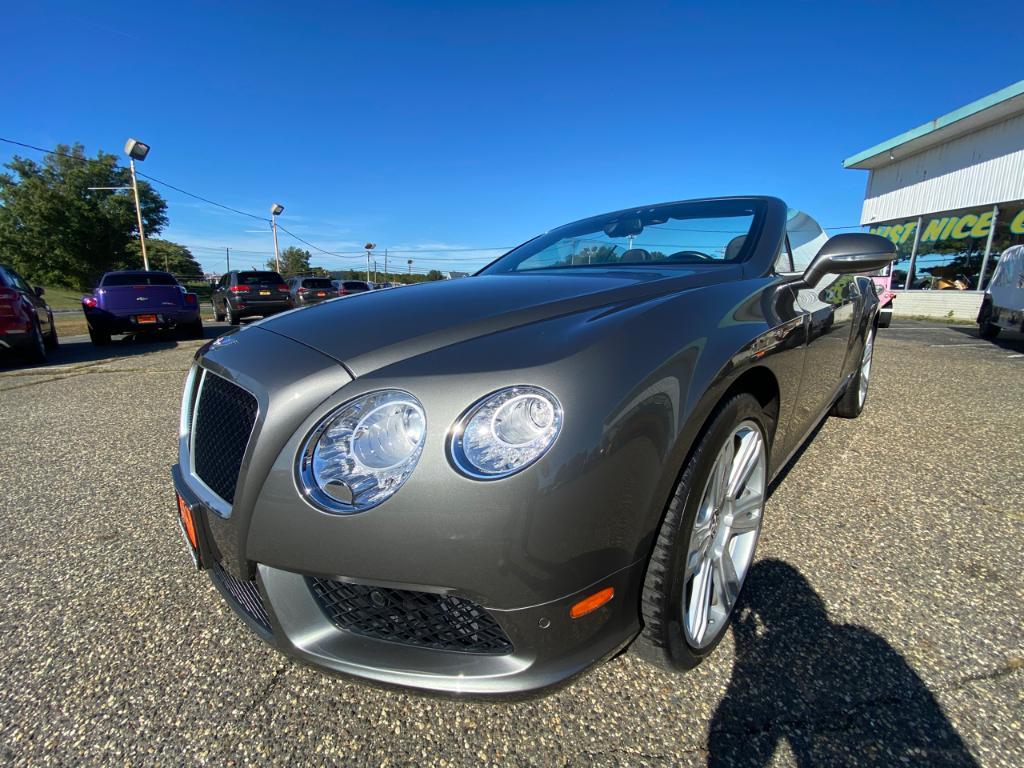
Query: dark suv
x=26, y=322
x=241, y=294
x=310, y=290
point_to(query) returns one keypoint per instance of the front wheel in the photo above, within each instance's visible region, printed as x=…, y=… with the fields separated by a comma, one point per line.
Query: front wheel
x=52, y=340
x=35, y=350
x=852, y=402
x=706, y=543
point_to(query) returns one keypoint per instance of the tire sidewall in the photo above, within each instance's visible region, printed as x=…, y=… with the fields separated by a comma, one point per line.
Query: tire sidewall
x=741, y=408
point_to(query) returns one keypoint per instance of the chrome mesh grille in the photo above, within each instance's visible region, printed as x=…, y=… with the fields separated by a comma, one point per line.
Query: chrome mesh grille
x=223, y=418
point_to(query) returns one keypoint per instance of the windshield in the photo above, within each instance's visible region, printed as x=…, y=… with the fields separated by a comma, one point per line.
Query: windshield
x=137, y=278
x=355, y=285
x=702, y=232
x=318, y=282
x=256, y=278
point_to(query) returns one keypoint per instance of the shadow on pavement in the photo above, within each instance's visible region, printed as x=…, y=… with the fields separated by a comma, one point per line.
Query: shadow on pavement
x=78, y=349
x=837, y=694
x=1011, y=341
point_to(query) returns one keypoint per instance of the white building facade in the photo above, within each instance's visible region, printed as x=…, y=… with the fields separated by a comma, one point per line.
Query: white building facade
x=950, y=194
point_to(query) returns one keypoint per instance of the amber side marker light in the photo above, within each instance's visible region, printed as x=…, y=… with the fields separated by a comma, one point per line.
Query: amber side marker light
x=592, y=603
x=186, y=520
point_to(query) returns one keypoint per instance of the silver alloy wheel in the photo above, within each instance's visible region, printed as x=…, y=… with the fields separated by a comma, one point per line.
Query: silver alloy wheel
x=865, y=368
x=724, y=536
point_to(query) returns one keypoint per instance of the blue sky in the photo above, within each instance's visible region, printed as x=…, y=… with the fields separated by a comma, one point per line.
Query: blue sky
x=449, y=125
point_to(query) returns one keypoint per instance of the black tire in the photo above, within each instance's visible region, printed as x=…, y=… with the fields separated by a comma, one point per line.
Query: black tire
x=99, y=338
x=885, y=318
x=850, y=405
x=217, y=315
x=234, y=318
x=988, y=330
x=192, y=330
x=662, y=641
x=52, y=340
x=35, y=348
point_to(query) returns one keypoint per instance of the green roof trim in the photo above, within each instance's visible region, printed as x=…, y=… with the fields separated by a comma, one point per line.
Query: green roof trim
x=1004, y=94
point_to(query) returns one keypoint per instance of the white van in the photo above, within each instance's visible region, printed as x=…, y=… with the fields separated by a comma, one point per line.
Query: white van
x=1003, y=305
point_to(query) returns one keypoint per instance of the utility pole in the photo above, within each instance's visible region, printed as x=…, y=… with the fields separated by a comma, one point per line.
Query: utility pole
x=386, y=263
x=410, y=266
x=227, y=252
x=374, y=270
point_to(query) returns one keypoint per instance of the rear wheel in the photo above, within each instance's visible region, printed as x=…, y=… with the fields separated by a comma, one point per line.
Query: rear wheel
x=193, y=330
x=706, y=543
x=99, y=338
x=852, y=402
x=986, y=328
x=233, y=317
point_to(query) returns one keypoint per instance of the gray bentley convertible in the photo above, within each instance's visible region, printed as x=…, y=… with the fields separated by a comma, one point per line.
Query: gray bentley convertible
x=485, y=486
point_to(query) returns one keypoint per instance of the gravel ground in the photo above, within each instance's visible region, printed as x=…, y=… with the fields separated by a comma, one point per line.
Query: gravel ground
x=881, y=624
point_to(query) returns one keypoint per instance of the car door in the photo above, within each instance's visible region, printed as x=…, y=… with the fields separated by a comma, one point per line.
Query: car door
x=829, y=308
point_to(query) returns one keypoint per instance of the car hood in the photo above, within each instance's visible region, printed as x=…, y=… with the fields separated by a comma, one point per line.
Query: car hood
x=368, y=331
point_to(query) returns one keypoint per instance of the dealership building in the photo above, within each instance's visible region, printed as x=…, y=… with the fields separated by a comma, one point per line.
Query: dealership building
x=950, y=194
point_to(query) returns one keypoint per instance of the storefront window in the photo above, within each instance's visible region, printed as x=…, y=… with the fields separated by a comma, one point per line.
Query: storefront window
x=902, y=234
x=1009, y=232
x=951, y=249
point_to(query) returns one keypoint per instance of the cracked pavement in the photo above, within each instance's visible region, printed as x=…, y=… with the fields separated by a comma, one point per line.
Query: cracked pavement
x=881, y=624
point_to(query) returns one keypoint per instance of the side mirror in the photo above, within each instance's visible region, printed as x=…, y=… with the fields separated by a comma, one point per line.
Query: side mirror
x=850, y=253
x=40, y=291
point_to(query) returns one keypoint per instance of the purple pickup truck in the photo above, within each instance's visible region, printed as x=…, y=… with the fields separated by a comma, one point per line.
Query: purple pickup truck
x=135, y=301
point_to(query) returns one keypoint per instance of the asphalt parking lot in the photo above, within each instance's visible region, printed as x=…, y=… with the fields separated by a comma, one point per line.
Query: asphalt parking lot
x=881, y=625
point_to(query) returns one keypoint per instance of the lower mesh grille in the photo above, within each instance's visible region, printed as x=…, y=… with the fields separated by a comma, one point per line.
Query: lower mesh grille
x=246, y=594
x=424, y=619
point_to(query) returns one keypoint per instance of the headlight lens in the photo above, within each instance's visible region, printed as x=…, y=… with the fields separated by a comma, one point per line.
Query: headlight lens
x=363, y=452
x=506, y=432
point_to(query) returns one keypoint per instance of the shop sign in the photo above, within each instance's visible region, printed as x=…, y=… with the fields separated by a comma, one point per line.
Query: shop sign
x=948, y=228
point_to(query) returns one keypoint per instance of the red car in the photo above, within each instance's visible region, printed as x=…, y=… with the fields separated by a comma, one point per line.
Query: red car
x=26, y=322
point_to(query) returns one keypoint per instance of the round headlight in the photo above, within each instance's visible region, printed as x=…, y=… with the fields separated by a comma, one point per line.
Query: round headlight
x=505, y=432
x=362, y=453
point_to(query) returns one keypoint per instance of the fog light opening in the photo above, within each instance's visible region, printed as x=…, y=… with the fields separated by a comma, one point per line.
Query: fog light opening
x=592, y=603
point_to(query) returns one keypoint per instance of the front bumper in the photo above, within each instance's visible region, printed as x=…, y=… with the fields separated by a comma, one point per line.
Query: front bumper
x=549, y=648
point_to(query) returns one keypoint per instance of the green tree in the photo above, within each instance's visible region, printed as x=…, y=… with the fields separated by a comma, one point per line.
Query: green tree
x=55, y=230
x=163, y=254
x=294, y=261
x=435, y=275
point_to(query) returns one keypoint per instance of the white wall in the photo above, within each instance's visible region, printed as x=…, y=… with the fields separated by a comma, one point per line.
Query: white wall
x=980, y=168
x=964, y=305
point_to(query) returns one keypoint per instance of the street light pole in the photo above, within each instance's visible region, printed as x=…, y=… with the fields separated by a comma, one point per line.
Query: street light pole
x=138, y=215
x=369, y=247
x=137, y=150
x=275, y=210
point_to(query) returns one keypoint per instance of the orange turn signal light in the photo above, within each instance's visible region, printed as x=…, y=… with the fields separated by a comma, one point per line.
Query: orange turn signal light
x=592, y=603
x=186, y=520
